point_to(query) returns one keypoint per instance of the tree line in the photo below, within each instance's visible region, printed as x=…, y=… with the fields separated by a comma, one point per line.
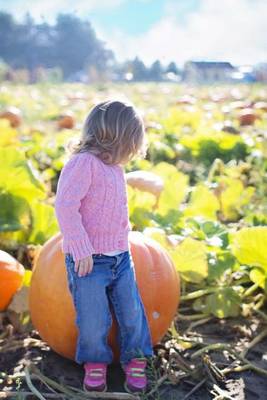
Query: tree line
x=71, y=45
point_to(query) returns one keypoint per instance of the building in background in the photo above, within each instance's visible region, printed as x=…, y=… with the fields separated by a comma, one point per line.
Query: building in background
x=207, y=71
x=244, y=74
x=261, y=72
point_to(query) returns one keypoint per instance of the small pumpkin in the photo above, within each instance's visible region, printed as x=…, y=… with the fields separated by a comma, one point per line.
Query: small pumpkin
x=247, y=116
x=13, y=115
x=11, y=277
x=66, y=121
x=51, y=306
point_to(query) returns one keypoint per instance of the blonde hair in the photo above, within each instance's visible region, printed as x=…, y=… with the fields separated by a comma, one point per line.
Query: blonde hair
x=113, y=131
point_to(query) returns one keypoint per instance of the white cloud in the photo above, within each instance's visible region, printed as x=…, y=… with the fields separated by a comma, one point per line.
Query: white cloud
x=49, y=9
x=228, y=30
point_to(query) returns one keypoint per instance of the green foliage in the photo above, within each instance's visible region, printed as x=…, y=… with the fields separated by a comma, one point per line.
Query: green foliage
x=249, y=247
x=23, y=214
x=215, y=145
x=190, y=259
x=175, y=187
x=224, y=303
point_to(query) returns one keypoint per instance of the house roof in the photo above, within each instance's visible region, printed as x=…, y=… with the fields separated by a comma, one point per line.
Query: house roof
x=211, y=64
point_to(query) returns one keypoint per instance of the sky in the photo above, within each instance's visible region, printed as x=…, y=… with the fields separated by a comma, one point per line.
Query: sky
x=168, y=30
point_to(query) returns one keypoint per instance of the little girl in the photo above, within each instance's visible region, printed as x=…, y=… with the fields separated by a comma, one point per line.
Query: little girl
x=92, y=212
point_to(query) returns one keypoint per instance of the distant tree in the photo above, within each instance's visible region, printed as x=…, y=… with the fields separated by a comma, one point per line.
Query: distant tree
x=155, y=72
x=44, y=45
x=76, y=45
x=25, y=49
x=3, y=70
x=71, y=44
x=8, y=36
x=172, y=68
x=138, y=69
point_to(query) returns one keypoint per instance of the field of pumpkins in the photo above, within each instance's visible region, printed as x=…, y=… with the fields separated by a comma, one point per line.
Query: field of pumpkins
x=198, y=211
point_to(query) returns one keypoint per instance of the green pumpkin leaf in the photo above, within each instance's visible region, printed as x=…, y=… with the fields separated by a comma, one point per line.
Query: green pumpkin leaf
x=190, y=260
x=234, y=198
x=203, y=203
x=220, y=264
x=141, y=218
x=138, y=199
x=258, y=276
x=8, y=135
x=249, y=246
x=18, y=177
x=14, y=212
x=175, y=187
x=44, y=223
x=225, y=303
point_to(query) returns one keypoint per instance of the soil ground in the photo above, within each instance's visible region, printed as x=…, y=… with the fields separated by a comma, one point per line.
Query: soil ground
x=247, y=385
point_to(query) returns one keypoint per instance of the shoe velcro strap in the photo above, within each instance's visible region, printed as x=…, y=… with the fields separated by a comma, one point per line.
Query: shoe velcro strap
x=96, y=369
x=137, y=369
x=95, y=374
x=137, y=374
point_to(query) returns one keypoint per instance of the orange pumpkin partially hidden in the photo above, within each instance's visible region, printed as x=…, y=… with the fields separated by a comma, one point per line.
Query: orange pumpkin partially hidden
x=13, y=115
x=51, y=306
x=11, y=277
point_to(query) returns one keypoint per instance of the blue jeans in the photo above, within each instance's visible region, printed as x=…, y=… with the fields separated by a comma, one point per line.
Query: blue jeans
x=113, y=280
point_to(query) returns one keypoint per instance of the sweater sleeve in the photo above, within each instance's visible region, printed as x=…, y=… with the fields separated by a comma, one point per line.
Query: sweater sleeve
x=73, y=184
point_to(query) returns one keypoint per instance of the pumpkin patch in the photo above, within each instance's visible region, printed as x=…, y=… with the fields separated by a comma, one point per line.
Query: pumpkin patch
x=197, y=208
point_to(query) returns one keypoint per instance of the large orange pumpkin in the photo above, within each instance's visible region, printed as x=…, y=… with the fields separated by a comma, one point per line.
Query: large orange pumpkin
x=11, y=277
x=51, y=306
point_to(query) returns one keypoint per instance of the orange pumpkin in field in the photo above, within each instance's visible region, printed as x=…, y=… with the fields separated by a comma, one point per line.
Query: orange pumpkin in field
x=11, y=277
x=247, y=117
x=13, y=115
x=66, y=121
x=51, y=306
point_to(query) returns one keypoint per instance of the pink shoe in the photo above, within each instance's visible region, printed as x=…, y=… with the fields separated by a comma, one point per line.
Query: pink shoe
x=136, y=380
x=95, y=377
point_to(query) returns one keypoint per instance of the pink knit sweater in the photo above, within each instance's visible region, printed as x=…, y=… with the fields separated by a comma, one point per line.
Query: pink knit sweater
x=91, y=206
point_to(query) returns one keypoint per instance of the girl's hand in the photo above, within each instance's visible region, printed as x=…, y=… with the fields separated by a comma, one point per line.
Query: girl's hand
x=84, y=266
